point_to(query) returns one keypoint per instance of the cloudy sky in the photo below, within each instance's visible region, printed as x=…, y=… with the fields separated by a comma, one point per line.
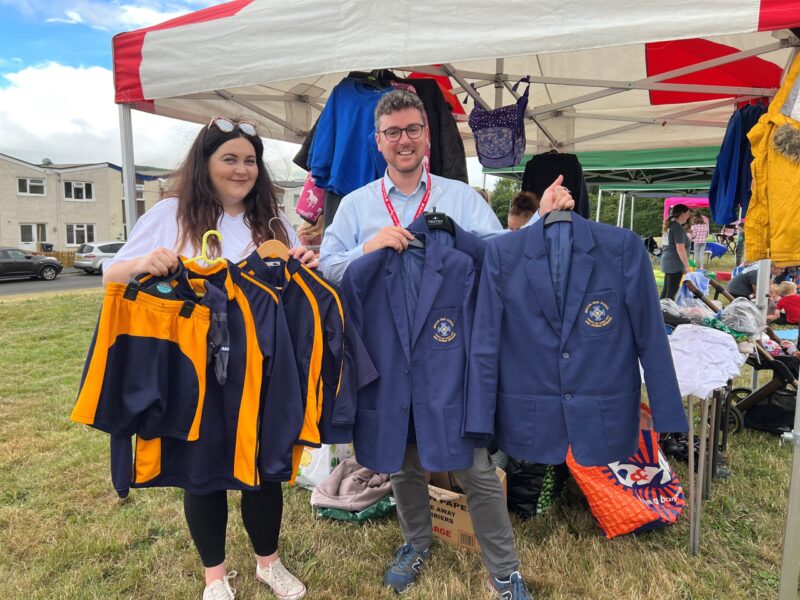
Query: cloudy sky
x=56, y=86
x=57, y=93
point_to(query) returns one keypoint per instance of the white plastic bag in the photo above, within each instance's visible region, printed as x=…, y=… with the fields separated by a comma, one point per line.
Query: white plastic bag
x=317, y=463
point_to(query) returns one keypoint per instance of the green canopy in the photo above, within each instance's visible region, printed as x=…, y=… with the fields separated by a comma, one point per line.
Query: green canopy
x=669, y=169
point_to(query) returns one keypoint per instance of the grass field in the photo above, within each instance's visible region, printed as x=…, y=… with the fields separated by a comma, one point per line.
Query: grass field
x=65, y=534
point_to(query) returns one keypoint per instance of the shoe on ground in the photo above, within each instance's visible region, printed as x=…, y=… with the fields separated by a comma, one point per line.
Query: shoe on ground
x=220, y=589
x=283, y=584
x=511, y=589
x=404, y=568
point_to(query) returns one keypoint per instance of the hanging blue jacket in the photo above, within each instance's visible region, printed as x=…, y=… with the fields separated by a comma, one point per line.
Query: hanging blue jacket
x=732, y=179
x=561, y=323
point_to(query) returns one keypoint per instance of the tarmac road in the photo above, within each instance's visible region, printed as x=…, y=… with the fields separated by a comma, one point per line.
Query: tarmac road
x=68, y=279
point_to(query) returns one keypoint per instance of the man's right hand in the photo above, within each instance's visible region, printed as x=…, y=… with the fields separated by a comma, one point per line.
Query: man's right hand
x=160, y=261
x=389, y=237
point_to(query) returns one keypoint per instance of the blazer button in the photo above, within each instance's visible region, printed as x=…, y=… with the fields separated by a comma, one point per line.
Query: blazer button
x=405, y=371
x=565, y=355
x=567, y=396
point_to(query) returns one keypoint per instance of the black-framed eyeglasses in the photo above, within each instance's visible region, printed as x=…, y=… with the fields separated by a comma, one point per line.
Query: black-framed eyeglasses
x=227, y=125
x=413, y=131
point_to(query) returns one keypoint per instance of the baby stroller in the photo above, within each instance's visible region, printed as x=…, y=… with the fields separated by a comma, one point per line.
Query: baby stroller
x=770, y=407
x=651, y=246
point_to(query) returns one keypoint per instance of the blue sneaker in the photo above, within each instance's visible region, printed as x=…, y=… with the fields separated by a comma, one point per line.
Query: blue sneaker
x=512, y=589
x=404, y=568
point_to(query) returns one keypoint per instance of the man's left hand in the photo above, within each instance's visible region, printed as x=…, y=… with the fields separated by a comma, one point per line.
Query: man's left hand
x=305, y=256
x=556, y=197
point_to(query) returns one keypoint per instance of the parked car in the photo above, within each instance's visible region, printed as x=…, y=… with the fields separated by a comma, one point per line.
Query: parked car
x=19, y=263
x=90, y=257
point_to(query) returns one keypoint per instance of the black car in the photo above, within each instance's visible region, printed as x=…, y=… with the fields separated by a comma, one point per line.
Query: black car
x=18, y=263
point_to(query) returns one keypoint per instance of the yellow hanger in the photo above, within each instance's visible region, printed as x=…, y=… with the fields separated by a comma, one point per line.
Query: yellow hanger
x=204, y=250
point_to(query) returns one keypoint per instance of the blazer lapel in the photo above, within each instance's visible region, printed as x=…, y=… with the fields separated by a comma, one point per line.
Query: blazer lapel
x=580, y=273
x=430, y=285
x=537, y=270
x=397, y=300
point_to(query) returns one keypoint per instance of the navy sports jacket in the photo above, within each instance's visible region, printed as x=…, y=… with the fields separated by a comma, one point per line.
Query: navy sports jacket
x=249, y=424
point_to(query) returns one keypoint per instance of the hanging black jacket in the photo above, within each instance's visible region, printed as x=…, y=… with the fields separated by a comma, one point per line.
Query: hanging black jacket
x=542, y=170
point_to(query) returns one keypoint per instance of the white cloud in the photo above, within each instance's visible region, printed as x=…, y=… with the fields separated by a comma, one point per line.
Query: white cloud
x=73, y=18
x=80, y=123
x=117, y=15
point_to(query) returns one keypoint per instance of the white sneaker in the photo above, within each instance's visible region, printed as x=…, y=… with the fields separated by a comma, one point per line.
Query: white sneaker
x=220, y=589
x=284, y=585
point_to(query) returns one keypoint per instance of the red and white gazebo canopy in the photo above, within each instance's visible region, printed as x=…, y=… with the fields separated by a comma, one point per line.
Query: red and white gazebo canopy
x=605, y=74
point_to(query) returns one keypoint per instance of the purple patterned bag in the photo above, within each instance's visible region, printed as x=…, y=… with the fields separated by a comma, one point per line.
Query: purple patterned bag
x=500, y=133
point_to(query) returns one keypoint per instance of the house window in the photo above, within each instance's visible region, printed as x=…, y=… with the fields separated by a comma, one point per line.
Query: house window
x=78, y=190
x=33, y=232
x=79, y=233
x=140, y=191
x=30, y=186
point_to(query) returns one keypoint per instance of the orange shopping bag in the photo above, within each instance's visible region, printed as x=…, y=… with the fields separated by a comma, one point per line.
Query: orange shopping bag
x=632, y=495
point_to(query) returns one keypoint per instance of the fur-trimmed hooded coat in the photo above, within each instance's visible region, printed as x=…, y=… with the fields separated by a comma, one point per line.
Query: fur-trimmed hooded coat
x=772, y=229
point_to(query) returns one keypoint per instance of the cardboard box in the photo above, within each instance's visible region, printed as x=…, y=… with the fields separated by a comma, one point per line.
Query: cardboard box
x=452, y=522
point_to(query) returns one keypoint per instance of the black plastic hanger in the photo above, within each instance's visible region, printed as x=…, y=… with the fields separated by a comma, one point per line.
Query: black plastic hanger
x=556, y=216
x=439, y=220
x=416, y=243
x=385, y=76
x=367, y=79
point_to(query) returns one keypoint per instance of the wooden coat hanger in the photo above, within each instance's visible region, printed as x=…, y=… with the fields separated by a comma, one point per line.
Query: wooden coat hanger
x=273, y=248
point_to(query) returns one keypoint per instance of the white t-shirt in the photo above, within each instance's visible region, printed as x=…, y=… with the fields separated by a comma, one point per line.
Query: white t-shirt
x=159, y=227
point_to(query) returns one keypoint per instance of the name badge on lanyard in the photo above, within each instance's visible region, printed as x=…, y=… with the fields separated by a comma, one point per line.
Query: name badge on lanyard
x=420, y=209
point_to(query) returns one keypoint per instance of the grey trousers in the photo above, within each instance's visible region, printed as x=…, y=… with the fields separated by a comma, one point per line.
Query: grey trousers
x=487, y=506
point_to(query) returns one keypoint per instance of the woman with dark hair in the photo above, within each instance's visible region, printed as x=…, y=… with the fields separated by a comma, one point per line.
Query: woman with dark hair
x=223, y=184
x=674, y=258
x=523, y=206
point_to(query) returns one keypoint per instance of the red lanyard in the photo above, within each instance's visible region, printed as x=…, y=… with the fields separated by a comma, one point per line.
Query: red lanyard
x=420, y=209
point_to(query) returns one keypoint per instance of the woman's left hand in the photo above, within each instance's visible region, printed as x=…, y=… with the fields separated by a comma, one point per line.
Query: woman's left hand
x=305, y=256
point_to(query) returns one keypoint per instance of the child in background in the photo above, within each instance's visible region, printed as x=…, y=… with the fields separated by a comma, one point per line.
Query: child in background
x=773, y=312
x=699, y=237
x=789, y=304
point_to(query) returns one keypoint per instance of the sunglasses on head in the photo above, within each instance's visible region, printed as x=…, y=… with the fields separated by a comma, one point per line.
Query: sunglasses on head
x=227, y=125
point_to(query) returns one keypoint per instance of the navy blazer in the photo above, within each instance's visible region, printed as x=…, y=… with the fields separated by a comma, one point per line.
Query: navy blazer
x=422, y=361
x=542, y=383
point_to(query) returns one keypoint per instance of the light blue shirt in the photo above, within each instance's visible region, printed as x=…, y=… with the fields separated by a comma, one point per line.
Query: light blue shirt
x=362, y=214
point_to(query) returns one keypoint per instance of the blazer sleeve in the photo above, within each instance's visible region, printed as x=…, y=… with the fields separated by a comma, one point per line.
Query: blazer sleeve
x=650, y=337
x=283, y=408
x=485, y=349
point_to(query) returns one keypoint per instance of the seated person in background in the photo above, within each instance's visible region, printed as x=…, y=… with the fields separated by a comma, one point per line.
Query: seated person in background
x=789, y=304
x=744, y=284
x=523, y=206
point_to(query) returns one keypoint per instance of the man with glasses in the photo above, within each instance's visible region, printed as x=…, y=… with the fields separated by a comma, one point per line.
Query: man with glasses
x=374, y=217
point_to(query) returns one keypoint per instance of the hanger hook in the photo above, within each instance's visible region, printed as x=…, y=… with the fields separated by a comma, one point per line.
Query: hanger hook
x=271, y=230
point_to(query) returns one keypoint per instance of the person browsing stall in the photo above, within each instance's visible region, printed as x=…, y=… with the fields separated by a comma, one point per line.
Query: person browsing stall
x=372, y=218
x=699, y=236
x=674, y=259
x=744, y=284
x=223, y=184
x=521, y=210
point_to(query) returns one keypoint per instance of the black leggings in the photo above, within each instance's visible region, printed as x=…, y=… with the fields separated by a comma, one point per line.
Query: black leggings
x=672, y=281
x=207, y=517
